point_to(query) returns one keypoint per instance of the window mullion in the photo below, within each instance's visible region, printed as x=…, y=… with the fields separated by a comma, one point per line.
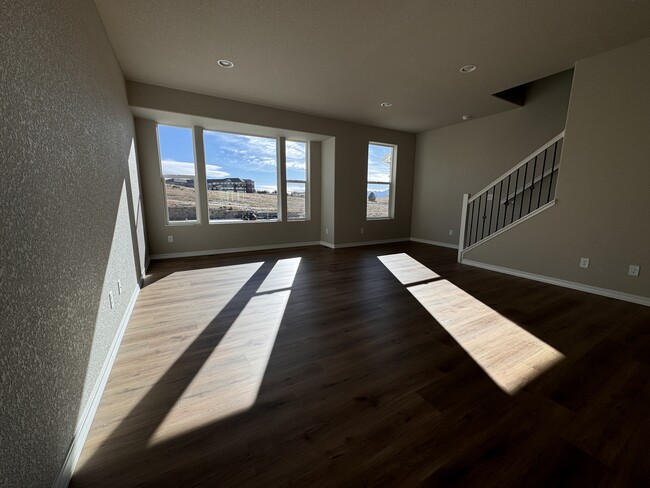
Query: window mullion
x=200, y=183
x=282, y=179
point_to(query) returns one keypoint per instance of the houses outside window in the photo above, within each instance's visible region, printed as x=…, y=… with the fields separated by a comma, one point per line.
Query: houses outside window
x=178, y=168
x=241, y=177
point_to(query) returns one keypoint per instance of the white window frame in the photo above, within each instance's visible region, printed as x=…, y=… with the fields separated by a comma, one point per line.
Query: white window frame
x=305, y=182
x=201, y=200
x=164, y=176
x=278, y=171
x=390, y=184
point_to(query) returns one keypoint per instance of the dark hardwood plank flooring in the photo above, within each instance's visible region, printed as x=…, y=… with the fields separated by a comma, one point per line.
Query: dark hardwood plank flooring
x=334, y=374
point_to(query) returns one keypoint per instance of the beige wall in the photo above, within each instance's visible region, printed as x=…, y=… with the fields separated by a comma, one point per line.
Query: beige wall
x=71, y=226
x=603, y=209
x=465, y=157
x=344, y=202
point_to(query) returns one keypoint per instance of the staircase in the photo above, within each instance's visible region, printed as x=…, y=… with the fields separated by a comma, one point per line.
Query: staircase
x=525, y=190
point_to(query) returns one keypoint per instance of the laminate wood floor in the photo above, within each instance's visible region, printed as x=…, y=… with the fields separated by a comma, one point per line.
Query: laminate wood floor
x=318, y=367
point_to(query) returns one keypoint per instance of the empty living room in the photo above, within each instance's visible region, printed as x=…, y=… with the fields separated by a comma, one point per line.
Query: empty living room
x=325, y=244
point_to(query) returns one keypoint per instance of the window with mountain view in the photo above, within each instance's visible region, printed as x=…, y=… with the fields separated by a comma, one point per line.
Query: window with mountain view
x=241, y=177
x=297, y=188
x=380, y=192
x=178, y=172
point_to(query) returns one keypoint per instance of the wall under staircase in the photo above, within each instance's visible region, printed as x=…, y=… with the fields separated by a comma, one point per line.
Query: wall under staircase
x=522, y=192
x=602, y=208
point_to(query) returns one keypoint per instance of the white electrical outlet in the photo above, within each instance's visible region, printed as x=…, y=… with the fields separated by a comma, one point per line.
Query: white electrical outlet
x=170, y=238
x=327, y=231
x=362, y=231
x=119, y=287
x=584, y=262
x=110, y=299
x=451, y=232
x=633, y=270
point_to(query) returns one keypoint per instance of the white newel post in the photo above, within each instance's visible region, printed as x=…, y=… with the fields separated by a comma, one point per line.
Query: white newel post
x=463, y=223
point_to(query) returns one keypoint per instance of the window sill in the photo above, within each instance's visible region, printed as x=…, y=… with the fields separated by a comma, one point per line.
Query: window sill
x=240, y=221
x=182, y=223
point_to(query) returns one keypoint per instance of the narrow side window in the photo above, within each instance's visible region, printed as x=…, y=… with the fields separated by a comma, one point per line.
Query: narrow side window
x=178, y=171
x=297, y=180
x=380, y=188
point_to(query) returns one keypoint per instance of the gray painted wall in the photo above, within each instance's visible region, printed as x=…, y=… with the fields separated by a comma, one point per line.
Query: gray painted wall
x=349, y=173
x=465, y=157
x=328, y=167
x=71, y=226
x=603, y=209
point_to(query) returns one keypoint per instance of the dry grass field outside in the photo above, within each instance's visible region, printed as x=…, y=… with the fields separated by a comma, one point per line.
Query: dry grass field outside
x=377, y=209
x=226, y=205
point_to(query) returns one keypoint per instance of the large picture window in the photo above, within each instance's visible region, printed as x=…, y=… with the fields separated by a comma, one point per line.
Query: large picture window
x=241, y=177
x=178, y=172
x=380, y=189
x=297, y=188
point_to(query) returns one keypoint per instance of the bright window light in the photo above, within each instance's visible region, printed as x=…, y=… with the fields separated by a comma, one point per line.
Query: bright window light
x=380, y=188
x=297, y=180
x=177, y=165
x=230, y=379
x=241, y=177
x=406, y=269
x=509, y=355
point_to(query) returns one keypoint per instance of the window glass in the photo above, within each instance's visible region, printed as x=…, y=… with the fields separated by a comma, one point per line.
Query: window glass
x=178, y=171
x=379, y=188
x=241, y=177
x=297, y=195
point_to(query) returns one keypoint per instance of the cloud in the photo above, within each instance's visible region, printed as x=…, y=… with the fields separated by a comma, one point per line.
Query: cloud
x=214, y=171
x=296, y=150
x=296, y=165
x=378, y=172
x=187, y=169
x=177, y=168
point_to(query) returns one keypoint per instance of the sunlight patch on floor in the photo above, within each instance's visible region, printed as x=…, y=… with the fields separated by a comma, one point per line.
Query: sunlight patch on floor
x=230, y=380
x=509, y=355
x=406, y=269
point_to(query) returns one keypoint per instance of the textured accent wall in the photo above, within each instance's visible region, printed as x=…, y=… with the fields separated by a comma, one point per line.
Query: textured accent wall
x=69, y=194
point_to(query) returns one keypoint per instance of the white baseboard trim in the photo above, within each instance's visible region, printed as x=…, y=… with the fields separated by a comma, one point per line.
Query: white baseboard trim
x=365, y=243
x=327, y=244
x=435, y=243
x=86, y=418
x=627, y=297
x=230, y=250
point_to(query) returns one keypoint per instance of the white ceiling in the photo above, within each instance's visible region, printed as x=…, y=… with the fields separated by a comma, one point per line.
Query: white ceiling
x=342, y=58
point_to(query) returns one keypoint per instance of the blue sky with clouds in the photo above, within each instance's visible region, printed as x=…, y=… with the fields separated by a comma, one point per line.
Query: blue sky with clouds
x=379, y=168
x=230, y=155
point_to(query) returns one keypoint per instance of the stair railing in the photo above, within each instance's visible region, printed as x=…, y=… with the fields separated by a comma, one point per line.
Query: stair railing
x=523, y=191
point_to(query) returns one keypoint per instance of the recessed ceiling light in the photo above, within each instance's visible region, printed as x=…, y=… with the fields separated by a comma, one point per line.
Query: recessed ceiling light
x=468, y=68
x=225, y=63
x=467, y=117
x=385, y=104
